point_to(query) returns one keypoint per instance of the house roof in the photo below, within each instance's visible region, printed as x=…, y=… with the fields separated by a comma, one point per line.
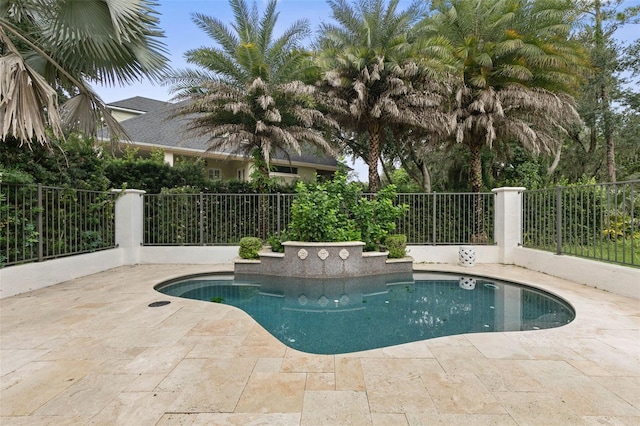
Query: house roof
x=139, y=103
x=158, y=128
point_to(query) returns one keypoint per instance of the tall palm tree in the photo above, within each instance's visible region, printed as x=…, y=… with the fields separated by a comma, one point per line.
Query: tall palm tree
x=248, y=94
x=377, y=73
x=517, y=70
x=57, y=47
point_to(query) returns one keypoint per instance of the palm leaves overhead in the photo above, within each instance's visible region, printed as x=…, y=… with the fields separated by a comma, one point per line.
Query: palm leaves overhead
x=376, y=72
x=517, y=69
x=247, y=96
x=258, y=120
x=245, y=50
x=59, y=46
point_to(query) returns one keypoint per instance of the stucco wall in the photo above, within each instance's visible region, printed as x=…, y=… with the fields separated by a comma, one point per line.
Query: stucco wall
x=621, y=280
x=129, y=220
x=32, y=276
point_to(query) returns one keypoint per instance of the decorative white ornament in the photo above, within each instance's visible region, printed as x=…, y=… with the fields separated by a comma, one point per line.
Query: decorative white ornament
x=344, y=254
x=323, y=254
x=302, y=254
x=344, y=299
x=302, y=299
x=467, y=283
x=323, y=301
x=467, y=256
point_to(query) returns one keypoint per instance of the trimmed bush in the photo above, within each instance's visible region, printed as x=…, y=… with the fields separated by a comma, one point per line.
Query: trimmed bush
x=397, y=245
x=337, y=210
x=249, y=247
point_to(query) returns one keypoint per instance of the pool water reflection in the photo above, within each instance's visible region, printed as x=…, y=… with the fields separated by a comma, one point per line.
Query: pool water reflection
x=342, y=316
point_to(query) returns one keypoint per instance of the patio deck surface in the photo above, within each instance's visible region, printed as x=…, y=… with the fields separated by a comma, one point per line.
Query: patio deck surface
x=91, y=351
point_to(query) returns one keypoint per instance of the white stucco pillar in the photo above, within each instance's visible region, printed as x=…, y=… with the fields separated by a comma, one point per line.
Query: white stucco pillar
x=129, y=224
x=508, y=221
x=168, y=158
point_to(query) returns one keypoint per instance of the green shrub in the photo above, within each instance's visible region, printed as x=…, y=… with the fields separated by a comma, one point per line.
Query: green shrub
x=249, y=247
x=275, y=241
x=337, y=211
x=397, y=245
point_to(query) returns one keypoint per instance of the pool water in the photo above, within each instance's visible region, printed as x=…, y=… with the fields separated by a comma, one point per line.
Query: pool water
x=342, y=316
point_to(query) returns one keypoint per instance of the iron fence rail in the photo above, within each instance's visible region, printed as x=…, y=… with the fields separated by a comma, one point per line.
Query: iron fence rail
x=600, y=221
x=223, y=219
x=212, y=219
x=40, y=222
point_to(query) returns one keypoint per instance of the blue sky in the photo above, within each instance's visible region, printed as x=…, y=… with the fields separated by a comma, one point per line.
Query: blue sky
x=182, y=34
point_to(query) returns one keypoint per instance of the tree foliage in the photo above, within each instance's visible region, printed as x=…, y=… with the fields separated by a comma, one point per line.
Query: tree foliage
x=248, y=95
x=60, y=46
x=378, y=74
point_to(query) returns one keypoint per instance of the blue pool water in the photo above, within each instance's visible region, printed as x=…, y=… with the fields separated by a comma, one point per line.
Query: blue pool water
x=341, y=316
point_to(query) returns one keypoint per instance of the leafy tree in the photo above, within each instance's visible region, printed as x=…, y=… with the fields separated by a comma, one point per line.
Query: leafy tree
x=516, y=67
x=248, y=95
x=58, y=46
x=604, y=87
x=403, y=182
x=337, y=210
x=72, y=162
x=378, y=75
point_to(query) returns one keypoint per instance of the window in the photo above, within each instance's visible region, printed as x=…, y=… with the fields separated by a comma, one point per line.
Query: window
x=285, y=169
x=240, y=174
x=215, y=174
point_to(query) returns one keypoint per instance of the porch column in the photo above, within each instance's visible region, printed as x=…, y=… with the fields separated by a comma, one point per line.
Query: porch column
x=168, y=158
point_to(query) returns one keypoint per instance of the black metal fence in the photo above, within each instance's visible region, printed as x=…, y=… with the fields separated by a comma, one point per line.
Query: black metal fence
x=594, y=221
x=40, y=222
x=223, y=219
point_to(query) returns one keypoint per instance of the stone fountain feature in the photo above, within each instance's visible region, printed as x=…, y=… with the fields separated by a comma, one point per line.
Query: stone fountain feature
x=323, y=260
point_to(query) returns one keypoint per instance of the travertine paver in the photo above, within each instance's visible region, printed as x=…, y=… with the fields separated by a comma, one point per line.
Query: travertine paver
x=92, y=351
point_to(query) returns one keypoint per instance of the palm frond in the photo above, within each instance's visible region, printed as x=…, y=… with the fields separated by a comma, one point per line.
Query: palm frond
x=218, y=31
x=116, y=41
x=28, y=105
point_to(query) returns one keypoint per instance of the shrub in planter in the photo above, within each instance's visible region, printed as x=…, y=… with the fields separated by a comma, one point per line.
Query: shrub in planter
x=397, y=245
x=249, y=247
x=337, y=211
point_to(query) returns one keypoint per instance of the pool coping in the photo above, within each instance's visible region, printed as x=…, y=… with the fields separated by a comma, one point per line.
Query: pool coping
x=194, y=363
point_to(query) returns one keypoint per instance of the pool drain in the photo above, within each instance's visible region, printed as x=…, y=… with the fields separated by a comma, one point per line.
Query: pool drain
x=160, y=303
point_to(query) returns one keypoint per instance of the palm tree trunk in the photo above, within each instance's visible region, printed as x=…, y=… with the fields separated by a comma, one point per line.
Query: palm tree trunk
x=476, y=167
x=261, y=188
x=375, y=132
x=478, y=235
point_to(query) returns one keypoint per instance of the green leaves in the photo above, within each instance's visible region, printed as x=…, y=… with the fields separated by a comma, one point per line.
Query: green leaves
x=337, y=211
x=64, y=44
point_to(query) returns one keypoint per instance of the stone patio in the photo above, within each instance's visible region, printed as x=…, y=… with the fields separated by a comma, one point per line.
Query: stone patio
x=91, y=351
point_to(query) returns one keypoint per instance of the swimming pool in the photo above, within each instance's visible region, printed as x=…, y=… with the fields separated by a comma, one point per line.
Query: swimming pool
x=342, y=316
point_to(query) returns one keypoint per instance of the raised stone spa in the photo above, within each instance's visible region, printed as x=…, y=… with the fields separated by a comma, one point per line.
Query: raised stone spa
x=323, y=260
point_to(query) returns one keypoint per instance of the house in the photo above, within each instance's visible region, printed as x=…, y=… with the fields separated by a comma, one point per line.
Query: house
x=150, y=126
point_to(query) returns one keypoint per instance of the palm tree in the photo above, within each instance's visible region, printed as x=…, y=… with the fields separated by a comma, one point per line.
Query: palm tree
x=56, y=47
x=248, y=96
x=377, y=74
x=517, y=70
